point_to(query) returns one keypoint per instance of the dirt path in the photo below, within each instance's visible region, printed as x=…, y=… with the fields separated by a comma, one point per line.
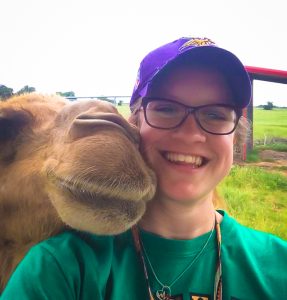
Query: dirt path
x=274, y=155
x=274, y=161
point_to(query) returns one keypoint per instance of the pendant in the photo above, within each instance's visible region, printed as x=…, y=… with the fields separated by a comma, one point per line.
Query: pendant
x=164, y=293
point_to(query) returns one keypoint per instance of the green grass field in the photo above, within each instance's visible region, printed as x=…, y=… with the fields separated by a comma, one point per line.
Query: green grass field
x=124, y=109
x=270, y=123
x=256, y=197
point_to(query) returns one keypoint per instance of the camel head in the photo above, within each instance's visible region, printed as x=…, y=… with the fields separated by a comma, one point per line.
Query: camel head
x=66, y=164
x=96, y=177
x=78, y=161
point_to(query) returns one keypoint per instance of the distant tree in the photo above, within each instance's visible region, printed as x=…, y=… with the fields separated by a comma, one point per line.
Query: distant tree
x=260, y=106
x=269, y=106
x=66, y=94
x=26, y=90
x=5, y=92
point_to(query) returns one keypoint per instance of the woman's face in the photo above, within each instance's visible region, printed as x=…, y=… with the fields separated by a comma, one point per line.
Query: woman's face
x=188, y=161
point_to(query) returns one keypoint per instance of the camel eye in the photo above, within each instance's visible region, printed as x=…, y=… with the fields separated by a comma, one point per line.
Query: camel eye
x=12, y=122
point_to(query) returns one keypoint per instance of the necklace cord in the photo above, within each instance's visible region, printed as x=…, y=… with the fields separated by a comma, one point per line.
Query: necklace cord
x=218, y=273
x=136, y=238
x=186, y=268
x=166, y=289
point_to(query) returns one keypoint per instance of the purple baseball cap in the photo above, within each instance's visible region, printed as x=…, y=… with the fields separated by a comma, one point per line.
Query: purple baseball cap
x=199, y=50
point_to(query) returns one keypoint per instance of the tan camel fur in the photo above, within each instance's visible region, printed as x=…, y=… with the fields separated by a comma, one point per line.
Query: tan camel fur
x=66, y=164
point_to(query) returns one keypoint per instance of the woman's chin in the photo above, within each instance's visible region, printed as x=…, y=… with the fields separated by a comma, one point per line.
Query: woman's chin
x=183, y=194
x=185, y=188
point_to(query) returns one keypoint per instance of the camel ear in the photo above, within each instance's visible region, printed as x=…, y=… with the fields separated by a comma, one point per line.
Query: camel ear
x=12, y=121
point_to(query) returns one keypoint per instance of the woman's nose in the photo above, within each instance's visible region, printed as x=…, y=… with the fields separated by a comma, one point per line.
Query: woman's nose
x=191, y=130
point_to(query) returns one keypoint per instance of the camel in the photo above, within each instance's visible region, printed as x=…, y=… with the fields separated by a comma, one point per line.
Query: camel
x=66, y=165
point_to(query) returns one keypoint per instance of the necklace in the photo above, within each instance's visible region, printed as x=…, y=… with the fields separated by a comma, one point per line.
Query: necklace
x=166, y=288
x=165, y=292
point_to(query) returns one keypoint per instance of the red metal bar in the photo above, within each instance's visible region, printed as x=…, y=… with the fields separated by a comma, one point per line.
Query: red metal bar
x=265, y=74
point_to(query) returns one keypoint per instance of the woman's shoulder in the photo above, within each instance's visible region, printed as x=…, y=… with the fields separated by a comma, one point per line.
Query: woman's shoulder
x=238, y=235
x=75, y=238
x=65, y=263
x=70, y=245
x=81, y=250
x=71, y=241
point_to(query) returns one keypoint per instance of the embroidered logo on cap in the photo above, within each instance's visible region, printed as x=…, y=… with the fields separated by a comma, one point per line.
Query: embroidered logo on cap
x=196, y=42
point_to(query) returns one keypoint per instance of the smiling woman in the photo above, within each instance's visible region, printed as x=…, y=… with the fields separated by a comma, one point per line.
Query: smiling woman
x=187, y=134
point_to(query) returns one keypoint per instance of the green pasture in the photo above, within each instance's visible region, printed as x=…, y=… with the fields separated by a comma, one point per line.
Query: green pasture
x=257, y=198
x=124, y=110
x=269, y=123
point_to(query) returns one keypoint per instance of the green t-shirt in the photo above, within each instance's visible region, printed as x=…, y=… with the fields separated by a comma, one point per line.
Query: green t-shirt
x=81, y=266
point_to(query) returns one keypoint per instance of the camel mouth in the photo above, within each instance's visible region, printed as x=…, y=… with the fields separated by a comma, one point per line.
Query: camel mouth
x=81, y=193
x=110, y=119
x=92, y=211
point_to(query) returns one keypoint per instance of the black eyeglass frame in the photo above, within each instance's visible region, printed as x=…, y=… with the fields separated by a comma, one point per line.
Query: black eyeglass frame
x=190, y=110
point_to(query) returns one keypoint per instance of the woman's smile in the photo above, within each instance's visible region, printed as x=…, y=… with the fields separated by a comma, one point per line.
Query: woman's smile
x=194, y=161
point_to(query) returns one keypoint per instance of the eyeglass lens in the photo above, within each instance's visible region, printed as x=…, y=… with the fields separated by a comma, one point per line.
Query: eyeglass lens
x=168, y=114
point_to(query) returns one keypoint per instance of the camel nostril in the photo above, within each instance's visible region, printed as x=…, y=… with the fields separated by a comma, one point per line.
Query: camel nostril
x=88, y=124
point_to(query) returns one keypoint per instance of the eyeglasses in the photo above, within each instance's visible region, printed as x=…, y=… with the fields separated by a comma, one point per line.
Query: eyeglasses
x=218, y=119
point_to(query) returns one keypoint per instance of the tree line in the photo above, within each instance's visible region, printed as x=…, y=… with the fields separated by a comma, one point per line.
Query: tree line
x=6, y=92
x=268, y=106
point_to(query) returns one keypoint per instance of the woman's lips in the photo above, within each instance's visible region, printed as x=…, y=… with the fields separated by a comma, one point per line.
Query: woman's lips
x=195, y=161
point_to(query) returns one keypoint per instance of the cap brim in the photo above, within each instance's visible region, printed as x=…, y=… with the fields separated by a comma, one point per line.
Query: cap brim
x=223, y=60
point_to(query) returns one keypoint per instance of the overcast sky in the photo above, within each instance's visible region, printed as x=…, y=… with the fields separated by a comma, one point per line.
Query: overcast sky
x=94, y=47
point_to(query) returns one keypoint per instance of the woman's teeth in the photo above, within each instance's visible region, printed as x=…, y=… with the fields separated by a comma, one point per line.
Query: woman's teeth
x=189, y=159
